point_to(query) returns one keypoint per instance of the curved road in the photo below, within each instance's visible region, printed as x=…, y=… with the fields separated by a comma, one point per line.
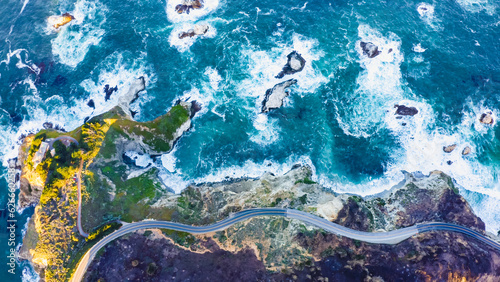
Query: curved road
x=391, y=237
x=78, y=182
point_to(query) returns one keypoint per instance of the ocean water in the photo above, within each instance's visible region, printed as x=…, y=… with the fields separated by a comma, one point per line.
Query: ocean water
x=339, y=117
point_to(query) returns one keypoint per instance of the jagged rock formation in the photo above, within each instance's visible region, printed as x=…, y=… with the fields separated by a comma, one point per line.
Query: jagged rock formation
x=369, y=49
x=198, y=29
x=405, y=111
x=486, y=118
x=187, y=5
x=294, y=64
x=274, y=96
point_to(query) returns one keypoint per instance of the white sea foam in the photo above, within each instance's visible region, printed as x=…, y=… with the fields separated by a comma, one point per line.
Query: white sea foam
x=169, y=160
x=28, y=273
x=379, y=85
x=183, y=45
x=426, y=12
x=250, y=169
x=267, y=128
x=476, y=6
x=141, y=160
x=418, y=48
x=118, y=69
x=75, y=39
x=194, y=14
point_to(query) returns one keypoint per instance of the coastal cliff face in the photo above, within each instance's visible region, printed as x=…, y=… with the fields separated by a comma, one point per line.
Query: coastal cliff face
x=288, y=249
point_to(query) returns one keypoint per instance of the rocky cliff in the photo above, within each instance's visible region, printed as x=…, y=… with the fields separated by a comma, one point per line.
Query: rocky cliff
x=288, y=249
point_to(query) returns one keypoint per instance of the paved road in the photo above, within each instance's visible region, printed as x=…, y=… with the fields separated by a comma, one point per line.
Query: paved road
x=69, y=138
x=391, y=237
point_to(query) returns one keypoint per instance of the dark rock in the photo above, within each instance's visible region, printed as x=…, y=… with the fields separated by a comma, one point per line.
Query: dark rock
x=274, y=97
x=91, y=104
x=450, y=148
x=486, y=118
x=294, y=64
x=405, y=111
x=108, y=91
x=403, y=124
x=449, y=162
x=48, y=125
x=59, y=81
x=195, y=107
x=86, y=119
x=187, y=5
x=197, y=30
x=369, y=49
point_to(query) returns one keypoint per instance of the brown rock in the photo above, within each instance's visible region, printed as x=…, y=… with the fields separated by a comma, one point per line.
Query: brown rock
x=486, y=118
x=466, y=151
x=450, y=148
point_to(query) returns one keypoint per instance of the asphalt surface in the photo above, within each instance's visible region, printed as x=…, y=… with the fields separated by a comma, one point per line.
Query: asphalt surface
x=391, y=237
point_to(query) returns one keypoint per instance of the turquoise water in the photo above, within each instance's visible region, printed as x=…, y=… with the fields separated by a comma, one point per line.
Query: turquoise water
x=339, y=118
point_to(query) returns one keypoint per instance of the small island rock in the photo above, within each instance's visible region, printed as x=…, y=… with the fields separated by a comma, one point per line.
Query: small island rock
x=486, y=118
x=467, y=150
x=405, y=111
x=369, y=49
x=198, y=29
x=450, y=148
x=294, y=64
x=274, y=97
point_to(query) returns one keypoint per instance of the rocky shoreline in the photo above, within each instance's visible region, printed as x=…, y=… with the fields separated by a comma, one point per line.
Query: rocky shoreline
x=310, y=253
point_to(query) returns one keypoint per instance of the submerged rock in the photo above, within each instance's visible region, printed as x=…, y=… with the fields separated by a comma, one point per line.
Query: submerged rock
x=108, y=91
x=405, y=111
x=187, y=5
x=198, y=29
x=58, y=21
x=486, y=118
x=369, y=49
x=294, y=64
x=450, y=148
x=467, y=150
x=274, y=97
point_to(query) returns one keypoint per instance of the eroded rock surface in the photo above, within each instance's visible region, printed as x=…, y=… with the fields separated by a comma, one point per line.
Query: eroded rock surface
x=294, y=64
x=369, y=49
x=274, y=96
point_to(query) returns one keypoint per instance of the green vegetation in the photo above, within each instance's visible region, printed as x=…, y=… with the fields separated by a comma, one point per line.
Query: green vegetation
x=59, y=243
x=306, y=180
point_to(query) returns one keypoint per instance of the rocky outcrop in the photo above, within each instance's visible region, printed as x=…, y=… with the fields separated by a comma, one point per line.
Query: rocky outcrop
x=405, y=111
x=187, y=5
x=274, y=96
x=58, y=21
x=198, y=29
x=467, y=150
x=294, y=64
x=108, y=91
x=369, y=49
x=450, y=148
x=132, y=94
x=486, y=118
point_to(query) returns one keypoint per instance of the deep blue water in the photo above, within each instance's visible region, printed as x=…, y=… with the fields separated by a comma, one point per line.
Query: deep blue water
x=339, y=117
